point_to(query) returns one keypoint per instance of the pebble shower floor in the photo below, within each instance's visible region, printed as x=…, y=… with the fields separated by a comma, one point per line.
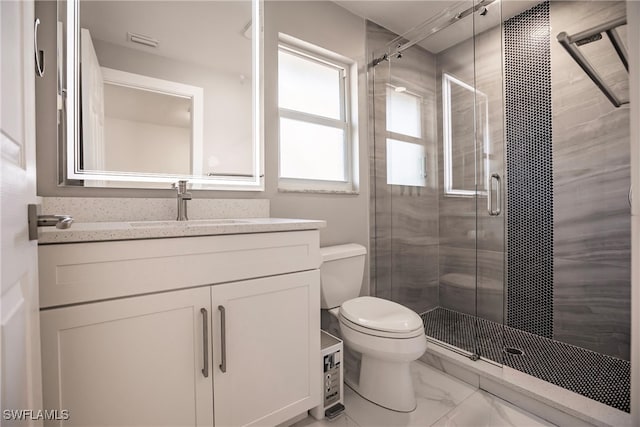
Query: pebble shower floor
x=597, y=376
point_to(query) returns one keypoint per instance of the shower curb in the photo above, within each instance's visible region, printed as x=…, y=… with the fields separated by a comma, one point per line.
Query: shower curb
x=548, y=401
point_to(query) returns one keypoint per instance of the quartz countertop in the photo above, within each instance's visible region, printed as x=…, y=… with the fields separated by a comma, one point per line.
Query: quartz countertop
x=133, y=230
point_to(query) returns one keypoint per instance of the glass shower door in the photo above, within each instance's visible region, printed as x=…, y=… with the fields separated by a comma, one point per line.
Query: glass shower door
x=435, y=250
x=490, y=181
x=405, y=179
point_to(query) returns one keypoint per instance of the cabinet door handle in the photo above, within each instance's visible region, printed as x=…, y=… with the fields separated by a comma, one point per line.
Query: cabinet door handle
x=223, y=339
x=205, y=342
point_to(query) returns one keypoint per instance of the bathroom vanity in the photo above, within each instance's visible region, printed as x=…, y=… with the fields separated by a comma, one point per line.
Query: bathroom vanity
x=212, y=323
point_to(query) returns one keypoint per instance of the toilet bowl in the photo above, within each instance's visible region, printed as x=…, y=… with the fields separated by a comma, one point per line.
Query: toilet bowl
x=388, y=335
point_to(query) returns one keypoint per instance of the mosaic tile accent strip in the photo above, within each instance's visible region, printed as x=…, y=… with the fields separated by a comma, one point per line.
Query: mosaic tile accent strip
x=529, y=171
x=597, y=376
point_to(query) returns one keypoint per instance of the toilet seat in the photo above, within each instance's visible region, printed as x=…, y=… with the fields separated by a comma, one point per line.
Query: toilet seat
x=377, y=333
x=380, y=317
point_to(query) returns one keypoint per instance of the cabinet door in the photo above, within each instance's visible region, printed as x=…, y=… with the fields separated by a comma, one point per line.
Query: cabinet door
x=270, y=349
x=136, y=361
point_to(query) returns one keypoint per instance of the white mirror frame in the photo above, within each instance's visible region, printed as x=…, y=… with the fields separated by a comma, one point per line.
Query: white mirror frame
x=254, y=182
x=447, y=137
x=194, y=93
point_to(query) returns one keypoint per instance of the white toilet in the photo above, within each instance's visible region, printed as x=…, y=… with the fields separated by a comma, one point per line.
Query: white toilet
x=388, y=335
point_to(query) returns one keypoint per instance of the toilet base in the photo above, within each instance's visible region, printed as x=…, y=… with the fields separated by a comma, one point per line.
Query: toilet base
x=386, y=384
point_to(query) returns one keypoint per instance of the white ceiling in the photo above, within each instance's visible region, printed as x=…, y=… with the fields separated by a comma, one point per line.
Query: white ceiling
x=401, y=17
x=398, y=16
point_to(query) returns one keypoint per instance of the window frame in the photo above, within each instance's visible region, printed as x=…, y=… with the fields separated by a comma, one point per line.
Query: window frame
x=346, y=69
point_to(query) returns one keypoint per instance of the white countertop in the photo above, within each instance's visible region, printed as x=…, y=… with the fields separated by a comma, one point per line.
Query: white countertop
x=104, y=231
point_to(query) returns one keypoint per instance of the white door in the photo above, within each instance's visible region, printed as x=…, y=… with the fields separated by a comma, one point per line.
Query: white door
x=267, y=366
x=139, y=361
x=20, y=334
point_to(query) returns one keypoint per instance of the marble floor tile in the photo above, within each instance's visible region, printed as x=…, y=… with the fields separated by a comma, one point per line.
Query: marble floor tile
x=436, y=393
x=443, y=401
x=341, y=421
x=485, y=410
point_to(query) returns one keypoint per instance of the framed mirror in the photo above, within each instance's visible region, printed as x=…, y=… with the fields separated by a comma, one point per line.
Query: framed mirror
x=152, y=92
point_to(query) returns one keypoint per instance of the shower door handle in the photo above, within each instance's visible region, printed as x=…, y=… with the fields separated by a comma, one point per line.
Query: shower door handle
x=494, y=212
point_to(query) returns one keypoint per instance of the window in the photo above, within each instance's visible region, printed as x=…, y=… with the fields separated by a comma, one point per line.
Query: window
x=315, y=133
x=406, y=156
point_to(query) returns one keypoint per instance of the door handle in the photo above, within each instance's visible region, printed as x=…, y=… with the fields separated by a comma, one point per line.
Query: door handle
x=205, y=342
x=35, y=220
x=223, y=339
x=498, y=209
x=39, y=53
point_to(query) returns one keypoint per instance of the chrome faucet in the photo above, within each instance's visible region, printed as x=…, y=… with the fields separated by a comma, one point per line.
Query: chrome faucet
x=183, y=196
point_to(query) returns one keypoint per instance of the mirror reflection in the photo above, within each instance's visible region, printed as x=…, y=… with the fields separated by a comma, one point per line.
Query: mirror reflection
x=145, y=131
x=465, y=120
x=165, y=97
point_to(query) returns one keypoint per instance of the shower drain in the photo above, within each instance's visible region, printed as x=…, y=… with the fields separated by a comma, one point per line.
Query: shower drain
x=513, y=351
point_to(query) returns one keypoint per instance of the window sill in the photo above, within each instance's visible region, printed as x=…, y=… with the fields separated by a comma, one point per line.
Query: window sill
x=318, y=191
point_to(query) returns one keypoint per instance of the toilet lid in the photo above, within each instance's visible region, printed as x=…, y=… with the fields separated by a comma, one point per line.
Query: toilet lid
x=380, y=314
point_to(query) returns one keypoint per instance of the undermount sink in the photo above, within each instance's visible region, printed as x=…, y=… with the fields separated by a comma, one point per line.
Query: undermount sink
x=189, y=223
x=215, y=221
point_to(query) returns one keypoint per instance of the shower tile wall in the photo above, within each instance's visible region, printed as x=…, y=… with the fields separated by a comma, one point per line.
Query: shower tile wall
x=459, y=262
x=529, y=171
x=405, y=222
x=591, y=184
x=425, y=254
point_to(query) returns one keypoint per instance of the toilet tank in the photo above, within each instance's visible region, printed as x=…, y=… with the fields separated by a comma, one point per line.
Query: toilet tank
x=341, y=273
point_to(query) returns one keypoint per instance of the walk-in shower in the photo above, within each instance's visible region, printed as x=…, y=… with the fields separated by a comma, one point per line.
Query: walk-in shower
x=500, y=182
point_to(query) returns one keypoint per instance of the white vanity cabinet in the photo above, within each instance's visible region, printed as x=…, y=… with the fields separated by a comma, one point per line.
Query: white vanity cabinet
x=134, y=361
x=264, y=373
x=224, y=352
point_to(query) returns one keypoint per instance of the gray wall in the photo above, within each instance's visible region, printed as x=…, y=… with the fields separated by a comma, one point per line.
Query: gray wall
x=405, y=232
x=346, y=215
x=592, y=223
